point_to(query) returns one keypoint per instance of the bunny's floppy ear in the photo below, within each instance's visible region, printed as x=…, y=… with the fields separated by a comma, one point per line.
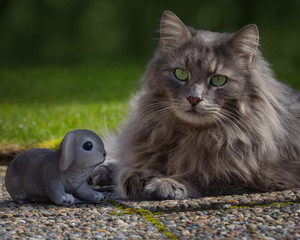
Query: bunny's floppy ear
x=67, y=152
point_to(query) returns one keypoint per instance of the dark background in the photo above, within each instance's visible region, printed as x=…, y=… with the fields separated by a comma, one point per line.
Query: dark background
x=72, y=31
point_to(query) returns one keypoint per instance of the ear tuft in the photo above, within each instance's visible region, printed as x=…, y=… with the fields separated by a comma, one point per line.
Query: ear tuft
x=172, y=31
x=246, y=41
x=67, y=151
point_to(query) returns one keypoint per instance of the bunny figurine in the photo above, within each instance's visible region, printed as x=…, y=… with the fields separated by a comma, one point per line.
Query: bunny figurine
x=43, y=175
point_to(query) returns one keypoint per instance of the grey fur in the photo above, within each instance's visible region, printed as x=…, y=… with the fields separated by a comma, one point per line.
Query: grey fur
x=43, y=175
x=241, y=137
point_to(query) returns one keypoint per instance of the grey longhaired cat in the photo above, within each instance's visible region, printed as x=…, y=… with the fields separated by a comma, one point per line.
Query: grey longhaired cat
x=209, y=119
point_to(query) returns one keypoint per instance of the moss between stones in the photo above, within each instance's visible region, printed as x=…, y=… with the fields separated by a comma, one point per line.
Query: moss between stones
x=149, y=216
x=266, y=205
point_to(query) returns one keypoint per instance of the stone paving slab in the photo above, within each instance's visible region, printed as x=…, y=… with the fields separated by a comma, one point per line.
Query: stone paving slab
x=76, y=222
x=250, y=216
x=270, y=222
x=80, y=221
x=206, y=203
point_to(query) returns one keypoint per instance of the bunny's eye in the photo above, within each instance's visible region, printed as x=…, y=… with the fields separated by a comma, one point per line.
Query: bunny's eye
x=88, y=146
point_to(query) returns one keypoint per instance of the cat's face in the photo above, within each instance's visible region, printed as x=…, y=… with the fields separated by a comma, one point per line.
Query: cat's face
x=203, y=75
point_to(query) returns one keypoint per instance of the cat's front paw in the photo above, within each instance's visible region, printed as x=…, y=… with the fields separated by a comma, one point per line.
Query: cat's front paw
x=97, y=197
x=101, y=176
x=164, y=188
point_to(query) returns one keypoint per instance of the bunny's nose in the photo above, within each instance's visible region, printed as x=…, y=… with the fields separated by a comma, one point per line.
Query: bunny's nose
x=104, y=154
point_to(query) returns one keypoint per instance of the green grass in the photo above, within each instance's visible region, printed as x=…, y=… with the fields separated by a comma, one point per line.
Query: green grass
x=40, y=104
x=43, y=103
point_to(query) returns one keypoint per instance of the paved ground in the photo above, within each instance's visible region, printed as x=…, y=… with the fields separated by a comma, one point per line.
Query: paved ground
x=255, y=216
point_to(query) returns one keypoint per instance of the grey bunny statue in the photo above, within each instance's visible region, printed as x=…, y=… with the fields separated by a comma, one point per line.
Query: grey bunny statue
x=43, y=175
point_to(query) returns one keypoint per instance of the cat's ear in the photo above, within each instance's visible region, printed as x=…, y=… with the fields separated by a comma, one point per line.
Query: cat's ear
x=246, y=42
x=172, y=31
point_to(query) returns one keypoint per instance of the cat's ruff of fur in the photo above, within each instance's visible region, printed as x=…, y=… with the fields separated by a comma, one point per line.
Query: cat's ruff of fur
x=243, y=136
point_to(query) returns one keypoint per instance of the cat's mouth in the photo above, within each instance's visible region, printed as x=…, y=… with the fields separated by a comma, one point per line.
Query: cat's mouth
x=192, y=111
x=195, y=111
x=195, y=115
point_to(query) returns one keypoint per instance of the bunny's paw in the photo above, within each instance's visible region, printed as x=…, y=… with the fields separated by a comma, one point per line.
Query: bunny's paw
x=67, y=199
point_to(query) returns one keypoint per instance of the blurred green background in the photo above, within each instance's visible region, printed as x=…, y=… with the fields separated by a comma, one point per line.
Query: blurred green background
x=66, y=31
x=68, y=64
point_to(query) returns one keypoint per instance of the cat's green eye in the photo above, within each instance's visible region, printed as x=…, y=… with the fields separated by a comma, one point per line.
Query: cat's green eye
x=181, y=74
x=218, y=80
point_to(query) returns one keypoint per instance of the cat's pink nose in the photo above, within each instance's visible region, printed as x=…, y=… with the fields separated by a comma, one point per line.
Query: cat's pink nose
x=194, y=100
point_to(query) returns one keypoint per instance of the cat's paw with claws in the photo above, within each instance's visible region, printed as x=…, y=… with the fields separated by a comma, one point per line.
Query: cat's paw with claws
x=164, y=188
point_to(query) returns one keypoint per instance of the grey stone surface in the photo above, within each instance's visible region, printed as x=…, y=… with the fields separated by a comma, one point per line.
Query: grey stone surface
x=251, y=216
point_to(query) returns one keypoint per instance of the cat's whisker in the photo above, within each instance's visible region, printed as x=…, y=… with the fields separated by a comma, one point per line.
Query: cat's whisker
x=235, y=117
x=235, y=127
x=161, y=111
